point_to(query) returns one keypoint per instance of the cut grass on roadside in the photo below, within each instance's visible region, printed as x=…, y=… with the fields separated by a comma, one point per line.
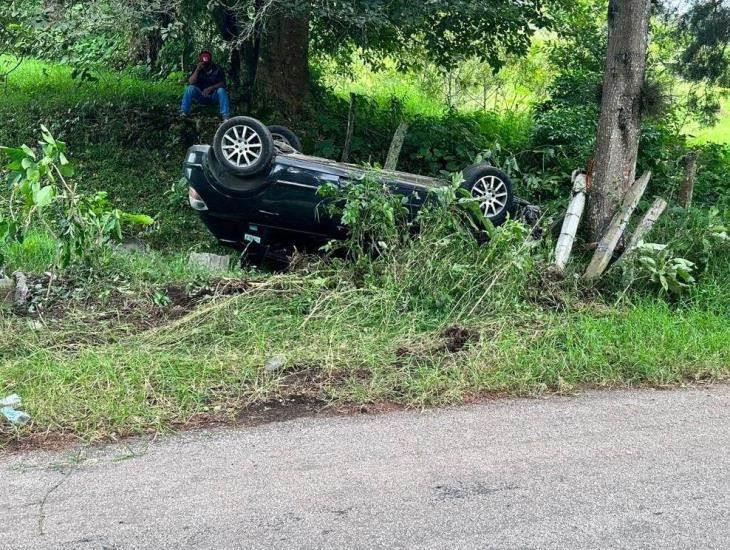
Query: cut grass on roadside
x=95, y=378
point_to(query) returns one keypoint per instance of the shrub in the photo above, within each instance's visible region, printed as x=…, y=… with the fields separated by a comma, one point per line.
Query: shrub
x=450, y=265
x=43, y=195
x=713, y=169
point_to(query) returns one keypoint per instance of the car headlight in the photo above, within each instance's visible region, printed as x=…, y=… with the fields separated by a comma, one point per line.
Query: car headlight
x=196, y=201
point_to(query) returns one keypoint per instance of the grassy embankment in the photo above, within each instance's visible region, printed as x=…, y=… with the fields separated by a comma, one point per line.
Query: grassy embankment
x=142, y=342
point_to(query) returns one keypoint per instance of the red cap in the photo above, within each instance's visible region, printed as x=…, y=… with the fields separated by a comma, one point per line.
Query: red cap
x=206, y=57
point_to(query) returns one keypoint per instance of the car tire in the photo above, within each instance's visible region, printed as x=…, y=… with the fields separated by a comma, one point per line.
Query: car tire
x=243, y=146
x=492, y=188
x=282, y=133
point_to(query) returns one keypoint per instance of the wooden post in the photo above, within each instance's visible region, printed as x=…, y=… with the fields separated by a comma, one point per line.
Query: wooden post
x=607, y=244
x=645, y=225
x=688, y=184
x=570, y=224
x=647, y=222
x=350, y=128
x=396, y=145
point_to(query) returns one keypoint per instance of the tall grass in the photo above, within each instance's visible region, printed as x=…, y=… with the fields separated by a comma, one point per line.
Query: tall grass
x=343, y=343
x=417, y=319
x=51, y=84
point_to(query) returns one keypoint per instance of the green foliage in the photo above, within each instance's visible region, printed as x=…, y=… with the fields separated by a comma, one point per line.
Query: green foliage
x=701, y=235
x=84, y=35
x=469, y=265
x=446, y=31
x=656, y=263
x=43, y=194
x=694, y=259
x=706, y=30
x=375, y=217
x=713, y=160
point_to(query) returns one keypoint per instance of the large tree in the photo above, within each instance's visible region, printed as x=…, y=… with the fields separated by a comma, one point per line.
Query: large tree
x=445, y=31
x=269, y=41
x=619, y=125
x=283, y=62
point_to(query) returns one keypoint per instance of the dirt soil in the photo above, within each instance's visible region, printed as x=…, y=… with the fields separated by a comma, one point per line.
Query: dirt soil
x=52, y=298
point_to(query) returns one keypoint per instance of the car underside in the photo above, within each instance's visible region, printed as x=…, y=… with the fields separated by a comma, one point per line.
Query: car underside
x=253, y=188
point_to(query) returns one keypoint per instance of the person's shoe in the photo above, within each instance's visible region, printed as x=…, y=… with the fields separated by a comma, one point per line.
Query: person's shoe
x=225, y=117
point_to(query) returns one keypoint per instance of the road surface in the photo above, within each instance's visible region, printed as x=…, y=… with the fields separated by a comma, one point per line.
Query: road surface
x=622, y=469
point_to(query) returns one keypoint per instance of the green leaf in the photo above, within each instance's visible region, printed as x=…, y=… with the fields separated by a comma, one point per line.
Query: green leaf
x=137, y=219
x=28, y=151
x=67, y=170
x=46, y=135
x=44, y=196
x=664, y=282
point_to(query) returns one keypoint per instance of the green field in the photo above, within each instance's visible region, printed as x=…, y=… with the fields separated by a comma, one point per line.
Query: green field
x=720, y=132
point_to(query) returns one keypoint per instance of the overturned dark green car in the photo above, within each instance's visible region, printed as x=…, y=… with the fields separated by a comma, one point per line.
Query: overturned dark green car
x=253, y=186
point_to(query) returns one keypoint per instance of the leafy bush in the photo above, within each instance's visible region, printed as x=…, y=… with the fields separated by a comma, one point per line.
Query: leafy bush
x=437, y=262
x=42, y=194
x=693, y=259
x=713, y=167
x=433, y=144
x=376, y=218
x=698, y=234
x=656, y=263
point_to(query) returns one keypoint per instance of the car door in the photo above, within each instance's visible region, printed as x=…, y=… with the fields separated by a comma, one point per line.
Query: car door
x=291, y=200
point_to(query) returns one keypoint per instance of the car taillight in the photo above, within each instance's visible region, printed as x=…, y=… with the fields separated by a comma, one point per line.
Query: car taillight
x=196, y=201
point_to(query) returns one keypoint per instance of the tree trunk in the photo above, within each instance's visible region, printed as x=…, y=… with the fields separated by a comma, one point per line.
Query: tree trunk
x=243, y=55
x=282, y=74
x=619, y=126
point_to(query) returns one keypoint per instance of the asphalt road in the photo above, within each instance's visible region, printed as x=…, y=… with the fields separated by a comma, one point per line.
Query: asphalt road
x=623, y=469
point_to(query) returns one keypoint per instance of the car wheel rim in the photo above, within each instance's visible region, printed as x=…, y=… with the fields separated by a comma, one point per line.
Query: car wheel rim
x=491, y=193
x=242, y=145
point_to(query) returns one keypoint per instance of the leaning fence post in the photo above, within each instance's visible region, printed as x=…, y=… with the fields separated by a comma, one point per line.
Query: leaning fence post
x=350, y=128
x=571, y=222
x=645, y=225
x=607, y=244
x=688, y=183
x=396, y=145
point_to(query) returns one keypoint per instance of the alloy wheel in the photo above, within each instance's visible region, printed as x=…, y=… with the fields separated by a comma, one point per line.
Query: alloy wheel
x=241, y=145
x=491, y=193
